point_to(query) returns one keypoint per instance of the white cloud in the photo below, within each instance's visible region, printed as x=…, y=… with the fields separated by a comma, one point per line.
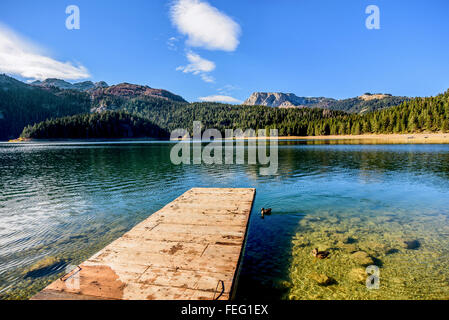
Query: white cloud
x=207, y=78
x=205, y=26
x=219, y=98
x=198, y=66
x=19, y=57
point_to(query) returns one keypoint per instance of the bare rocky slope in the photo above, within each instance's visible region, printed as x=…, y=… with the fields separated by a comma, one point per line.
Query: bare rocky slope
x=285, y=100
x=64, y=85
x=362, y=104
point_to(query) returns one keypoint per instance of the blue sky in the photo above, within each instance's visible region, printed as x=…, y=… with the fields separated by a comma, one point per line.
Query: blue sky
x=199, y=48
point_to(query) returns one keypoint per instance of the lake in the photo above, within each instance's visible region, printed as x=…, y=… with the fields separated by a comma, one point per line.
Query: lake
x=62, y=202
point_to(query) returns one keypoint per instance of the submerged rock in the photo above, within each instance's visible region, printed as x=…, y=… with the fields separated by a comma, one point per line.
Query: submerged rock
x=411, y=244
x=358, y=275
x=374, y=248
x=348, y=247
x=45, y=267
x=345, y=238
x=392, y=251
x=321, y=279
x=333, y=220
x=384, y=219
x=300, y=242
x=388, y=245
x=362, y=258
x=283, y=285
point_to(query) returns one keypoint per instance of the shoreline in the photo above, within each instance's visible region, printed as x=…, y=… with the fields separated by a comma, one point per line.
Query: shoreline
x=412, y=137
x=27, y=140
x=394, y=138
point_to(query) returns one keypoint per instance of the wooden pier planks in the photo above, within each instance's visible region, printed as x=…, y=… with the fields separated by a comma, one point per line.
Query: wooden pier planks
x=188, y=250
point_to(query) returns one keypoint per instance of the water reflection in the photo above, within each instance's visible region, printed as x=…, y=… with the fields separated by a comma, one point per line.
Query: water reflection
x=68, y=201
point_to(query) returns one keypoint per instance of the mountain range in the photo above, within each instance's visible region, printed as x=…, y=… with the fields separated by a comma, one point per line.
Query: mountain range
x=24, y=104
x=61, y=84
x=362, y=104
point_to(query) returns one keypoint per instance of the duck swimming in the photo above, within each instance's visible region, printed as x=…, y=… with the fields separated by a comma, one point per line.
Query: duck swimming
x=265, y=212
x=320, y=254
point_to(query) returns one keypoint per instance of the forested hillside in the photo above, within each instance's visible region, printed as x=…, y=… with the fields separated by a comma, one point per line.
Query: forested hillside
x=223, y=116
x=21, y=105
x=416, y=115
x=361, y=106
x=105, y=125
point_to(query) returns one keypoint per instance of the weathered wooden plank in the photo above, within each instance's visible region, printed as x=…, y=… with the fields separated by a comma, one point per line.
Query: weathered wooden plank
x=60, y=295
x=184, y=251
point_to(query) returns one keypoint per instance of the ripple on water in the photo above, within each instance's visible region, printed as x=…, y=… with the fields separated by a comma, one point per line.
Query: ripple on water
x=65, y=202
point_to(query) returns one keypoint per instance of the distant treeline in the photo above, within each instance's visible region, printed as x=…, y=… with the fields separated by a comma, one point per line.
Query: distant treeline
x=222, y=116
x=414, y=115
x=22, y=105
x=109, y=124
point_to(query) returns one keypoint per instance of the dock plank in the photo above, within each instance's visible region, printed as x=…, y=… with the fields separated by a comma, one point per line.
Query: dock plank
x=182, y=252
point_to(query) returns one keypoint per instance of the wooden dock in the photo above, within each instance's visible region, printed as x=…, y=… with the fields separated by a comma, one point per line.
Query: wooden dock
x=188, y=250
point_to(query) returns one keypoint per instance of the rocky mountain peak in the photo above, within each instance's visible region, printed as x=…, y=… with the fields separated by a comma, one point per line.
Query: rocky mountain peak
x=371, y=96
x=284, y=100
x=128, y=90
x=65, y=85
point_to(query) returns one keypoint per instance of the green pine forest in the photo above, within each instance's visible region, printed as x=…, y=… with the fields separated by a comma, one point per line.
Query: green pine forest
x=412, y=116
x=105, y=125
x=22, y=105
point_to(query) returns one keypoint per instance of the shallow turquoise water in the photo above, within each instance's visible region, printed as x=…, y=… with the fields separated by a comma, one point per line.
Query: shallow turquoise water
x=69, y=200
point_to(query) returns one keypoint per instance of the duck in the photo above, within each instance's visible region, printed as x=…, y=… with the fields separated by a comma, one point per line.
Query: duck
x=320, y=254
x=265, y=212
